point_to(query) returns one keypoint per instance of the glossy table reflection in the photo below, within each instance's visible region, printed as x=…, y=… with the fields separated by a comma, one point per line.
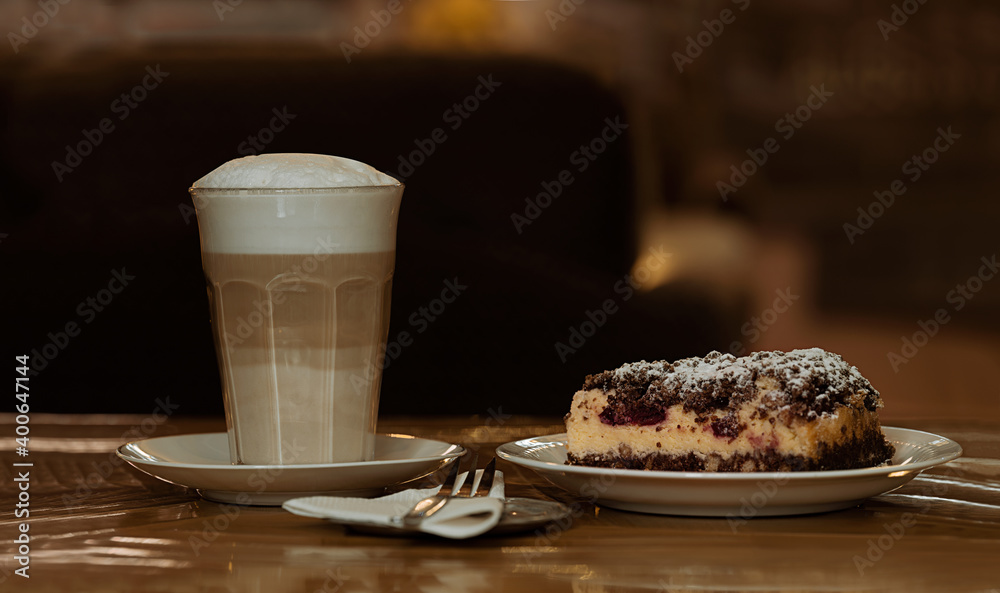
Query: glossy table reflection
x=98, y=524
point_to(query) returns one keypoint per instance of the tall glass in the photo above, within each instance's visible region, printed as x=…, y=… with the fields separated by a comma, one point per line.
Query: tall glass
x=299, y=284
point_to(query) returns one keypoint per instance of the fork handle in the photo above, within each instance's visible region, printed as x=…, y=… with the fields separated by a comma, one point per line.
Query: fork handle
x=425, y=508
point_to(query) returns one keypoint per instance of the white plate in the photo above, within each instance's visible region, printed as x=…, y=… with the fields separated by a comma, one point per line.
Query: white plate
x=201, y=461
x=735, y=495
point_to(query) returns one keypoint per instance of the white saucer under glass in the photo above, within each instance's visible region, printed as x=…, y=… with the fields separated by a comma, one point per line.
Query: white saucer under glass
x=201, y=461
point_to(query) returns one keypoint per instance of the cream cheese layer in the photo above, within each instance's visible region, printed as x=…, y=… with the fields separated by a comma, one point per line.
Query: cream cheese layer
x=679, y=433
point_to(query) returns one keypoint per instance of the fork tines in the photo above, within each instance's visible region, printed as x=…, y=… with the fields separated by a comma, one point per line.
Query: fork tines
x=473, y=483
x=448, y=485
x=486, y=481
x=467, y=484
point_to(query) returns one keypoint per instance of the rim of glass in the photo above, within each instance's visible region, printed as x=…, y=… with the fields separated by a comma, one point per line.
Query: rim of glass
x=292, y=190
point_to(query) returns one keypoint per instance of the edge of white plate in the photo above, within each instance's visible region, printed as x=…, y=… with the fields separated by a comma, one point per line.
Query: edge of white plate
x=558, y=439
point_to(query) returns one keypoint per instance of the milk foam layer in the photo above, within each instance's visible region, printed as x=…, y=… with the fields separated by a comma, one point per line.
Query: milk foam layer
x=293, y=170
x=256, y=219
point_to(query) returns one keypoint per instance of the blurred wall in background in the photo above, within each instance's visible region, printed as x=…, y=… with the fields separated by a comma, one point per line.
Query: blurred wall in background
x=745, y=175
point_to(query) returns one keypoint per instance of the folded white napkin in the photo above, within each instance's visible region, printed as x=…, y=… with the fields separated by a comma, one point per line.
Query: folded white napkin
x=460, y=518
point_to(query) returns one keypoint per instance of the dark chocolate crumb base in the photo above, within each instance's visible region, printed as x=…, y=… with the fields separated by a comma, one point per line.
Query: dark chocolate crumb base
x=869, y=451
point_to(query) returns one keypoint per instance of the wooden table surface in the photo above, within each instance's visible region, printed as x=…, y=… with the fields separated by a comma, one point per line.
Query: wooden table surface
x=98, y=524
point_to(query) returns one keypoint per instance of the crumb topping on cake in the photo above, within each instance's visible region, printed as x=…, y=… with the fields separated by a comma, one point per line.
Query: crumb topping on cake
x=806, y=383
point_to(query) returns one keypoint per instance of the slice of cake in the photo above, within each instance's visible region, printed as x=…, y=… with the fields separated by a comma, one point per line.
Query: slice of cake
x=770, y=411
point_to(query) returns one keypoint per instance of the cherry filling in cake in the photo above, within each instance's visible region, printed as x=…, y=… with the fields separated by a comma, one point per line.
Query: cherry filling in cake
x=802, y=410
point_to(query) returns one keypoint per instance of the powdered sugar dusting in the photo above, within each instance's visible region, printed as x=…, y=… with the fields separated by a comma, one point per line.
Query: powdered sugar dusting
x=693, y=373
x=640, y=370
x=809, y=382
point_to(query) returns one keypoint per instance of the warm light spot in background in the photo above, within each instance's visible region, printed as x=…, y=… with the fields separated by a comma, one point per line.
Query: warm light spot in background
x=443, y=24
x=704, y=249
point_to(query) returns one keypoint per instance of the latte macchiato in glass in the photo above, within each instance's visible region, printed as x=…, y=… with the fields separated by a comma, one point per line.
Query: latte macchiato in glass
x=298, y=252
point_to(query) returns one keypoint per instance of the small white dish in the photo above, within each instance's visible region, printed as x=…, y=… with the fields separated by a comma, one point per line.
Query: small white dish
x=201, y=461
x=738, y=496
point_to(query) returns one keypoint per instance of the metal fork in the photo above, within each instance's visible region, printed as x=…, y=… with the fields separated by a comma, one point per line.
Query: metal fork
x=432, y=504
x=481, y=487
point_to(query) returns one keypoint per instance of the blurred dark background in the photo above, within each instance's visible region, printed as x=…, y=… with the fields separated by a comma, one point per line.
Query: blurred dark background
x=848, y=95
